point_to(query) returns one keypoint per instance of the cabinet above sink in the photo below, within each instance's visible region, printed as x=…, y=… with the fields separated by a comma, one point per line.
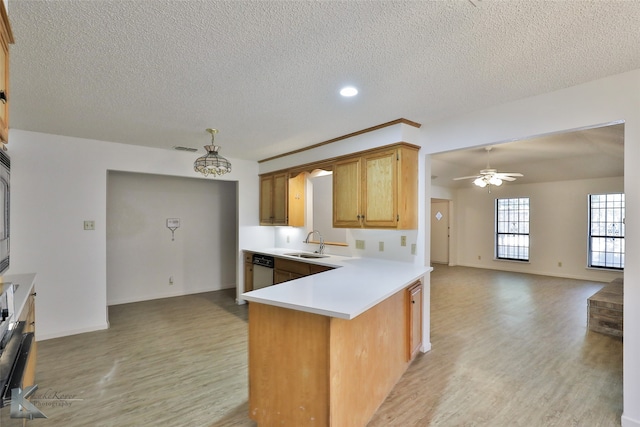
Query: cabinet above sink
x=375, y=188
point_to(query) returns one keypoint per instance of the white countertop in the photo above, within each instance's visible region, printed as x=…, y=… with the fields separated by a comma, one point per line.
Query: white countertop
x=356, y=285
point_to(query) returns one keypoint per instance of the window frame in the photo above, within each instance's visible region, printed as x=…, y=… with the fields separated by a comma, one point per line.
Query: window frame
x=617, y=239
x=522, y=223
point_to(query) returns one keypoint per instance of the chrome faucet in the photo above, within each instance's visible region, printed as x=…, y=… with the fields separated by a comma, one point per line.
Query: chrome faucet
x=321, y=250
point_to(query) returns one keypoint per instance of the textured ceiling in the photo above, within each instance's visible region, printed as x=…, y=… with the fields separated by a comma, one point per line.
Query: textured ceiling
x=267, y=73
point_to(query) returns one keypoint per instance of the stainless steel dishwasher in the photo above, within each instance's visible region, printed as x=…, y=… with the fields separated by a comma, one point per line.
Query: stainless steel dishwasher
x=262, y=271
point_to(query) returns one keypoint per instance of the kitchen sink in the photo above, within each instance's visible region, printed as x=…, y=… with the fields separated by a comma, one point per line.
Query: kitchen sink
x=307, y=255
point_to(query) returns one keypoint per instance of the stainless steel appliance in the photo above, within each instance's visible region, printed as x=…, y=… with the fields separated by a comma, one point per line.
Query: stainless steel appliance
x=262, y=271
x=15, y=345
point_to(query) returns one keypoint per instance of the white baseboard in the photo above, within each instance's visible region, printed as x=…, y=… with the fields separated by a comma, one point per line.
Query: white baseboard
x=59, y=334
x=179, y=293
x=425, y=348
x=628, y=422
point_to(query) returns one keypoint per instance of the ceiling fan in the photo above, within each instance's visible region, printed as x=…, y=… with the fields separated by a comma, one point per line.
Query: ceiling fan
x=489, y=176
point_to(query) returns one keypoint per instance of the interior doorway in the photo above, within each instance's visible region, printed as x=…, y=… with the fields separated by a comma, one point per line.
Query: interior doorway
x=440, y=231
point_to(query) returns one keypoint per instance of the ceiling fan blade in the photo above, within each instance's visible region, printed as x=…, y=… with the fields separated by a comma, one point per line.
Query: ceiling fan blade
x=466, y=177
x=507, y=178
x=501, y=174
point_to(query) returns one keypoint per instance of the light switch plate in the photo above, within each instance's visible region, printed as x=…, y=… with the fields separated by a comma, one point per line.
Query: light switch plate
x=381, y=246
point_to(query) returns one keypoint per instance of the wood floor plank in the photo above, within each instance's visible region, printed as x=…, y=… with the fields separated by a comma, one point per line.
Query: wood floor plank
x=508, y=349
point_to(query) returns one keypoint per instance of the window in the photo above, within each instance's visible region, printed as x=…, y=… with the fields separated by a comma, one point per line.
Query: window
x=606, y=231
x=512, y=229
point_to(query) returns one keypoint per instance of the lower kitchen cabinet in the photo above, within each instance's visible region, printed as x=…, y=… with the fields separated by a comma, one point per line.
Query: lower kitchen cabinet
x=414, y=319
x=286, y=269
x=248, y=271
x=328, y=371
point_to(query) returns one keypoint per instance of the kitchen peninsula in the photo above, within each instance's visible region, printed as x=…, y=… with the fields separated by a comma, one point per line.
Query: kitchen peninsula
x=326, y=349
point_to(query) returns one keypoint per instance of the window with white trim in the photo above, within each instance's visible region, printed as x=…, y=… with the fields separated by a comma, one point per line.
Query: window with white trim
x=512, y=229
x=606, y=231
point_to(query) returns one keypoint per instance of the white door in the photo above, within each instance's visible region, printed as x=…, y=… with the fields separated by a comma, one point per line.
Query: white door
x=440, y=231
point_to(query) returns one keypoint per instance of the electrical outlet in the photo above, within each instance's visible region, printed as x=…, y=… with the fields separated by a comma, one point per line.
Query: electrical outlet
x=413, y=249
x=381, y=246
x=479, y=257
x=559, y=263
x=89, y=225
x=359, y=244
x=403, y=240
x=170, y=280
x=287, y=239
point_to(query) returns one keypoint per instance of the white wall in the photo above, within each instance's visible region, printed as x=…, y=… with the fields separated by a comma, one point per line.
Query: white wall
x=558, y=226
x=602, y=101
x=57, y=183
x=142, y=256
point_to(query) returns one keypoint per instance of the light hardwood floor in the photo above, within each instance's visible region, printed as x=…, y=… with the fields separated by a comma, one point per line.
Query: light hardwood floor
x=508, y=350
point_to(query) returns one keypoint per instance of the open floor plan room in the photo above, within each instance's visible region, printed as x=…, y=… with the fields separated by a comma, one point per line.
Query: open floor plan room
x=508, y=349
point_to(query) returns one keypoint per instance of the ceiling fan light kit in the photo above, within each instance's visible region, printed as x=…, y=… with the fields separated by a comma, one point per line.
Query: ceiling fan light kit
x=489, y=177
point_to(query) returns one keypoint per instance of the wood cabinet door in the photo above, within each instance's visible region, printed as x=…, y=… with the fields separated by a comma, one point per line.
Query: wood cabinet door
x=296, y=200
x=266, y=200
x=6, y=38
x=280, y=199
x=280, y=276
x=414, y=320
x=248, y=276
x=380, y=191
x=4, y=86
x=346, y=193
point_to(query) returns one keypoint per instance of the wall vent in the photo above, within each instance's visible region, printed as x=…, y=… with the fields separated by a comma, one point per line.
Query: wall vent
x=177, y=147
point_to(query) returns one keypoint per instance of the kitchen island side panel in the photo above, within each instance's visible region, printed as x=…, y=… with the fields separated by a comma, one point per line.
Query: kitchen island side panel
x=368, y=357
x=288, y=367
x=307, y=369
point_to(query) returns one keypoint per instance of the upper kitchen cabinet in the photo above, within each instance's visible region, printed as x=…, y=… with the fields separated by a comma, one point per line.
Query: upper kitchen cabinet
x=377, y=189
x=347, y=209
x=282, y=199
x=6, y=38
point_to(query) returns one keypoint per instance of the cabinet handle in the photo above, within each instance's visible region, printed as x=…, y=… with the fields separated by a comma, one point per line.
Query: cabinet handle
x=413, y=302
x=3, y=97
x=34, y=294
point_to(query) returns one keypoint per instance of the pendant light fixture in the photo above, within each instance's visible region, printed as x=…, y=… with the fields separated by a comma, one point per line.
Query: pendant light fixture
x=212, y=163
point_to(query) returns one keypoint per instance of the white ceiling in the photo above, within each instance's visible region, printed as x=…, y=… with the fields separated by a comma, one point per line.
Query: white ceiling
x=267, y=73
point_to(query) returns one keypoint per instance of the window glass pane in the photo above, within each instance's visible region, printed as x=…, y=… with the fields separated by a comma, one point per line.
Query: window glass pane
x=512, y=228
x=606, y=230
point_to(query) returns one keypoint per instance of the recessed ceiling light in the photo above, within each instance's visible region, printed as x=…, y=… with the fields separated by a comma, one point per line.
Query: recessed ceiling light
x=348, y=91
